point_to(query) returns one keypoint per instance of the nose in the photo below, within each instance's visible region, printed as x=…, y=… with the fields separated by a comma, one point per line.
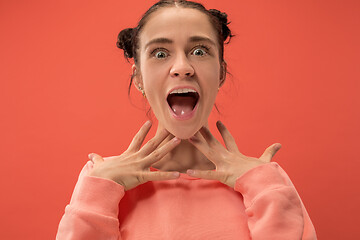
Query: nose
x=181, y=67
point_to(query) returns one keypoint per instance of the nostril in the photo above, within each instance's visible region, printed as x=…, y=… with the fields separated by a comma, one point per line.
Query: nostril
x=177, y=74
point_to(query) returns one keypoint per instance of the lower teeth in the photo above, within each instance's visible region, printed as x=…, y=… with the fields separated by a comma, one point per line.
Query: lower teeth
x=182, y=111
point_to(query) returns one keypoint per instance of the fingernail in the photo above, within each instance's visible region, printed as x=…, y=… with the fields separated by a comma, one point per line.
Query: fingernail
x=148, y=123
x=176, y=139
x=90, y=156
x=176, y=174
x=190, y=171
x=193, y=138
x=277, y=147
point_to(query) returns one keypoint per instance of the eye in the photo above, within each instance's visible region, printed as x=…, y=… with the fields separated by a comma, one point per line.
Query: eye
x=200, y=50
x=159, y=53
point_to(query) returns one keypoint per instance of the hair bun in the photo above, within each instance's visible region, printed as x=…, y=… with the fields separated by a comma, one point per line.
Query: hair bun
x=220, y=15
x=125, y=42
x=223, y=20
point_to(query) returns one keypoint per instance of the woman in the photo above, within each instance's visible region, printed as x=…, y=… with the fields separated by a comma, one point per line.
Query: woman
x=182, y=184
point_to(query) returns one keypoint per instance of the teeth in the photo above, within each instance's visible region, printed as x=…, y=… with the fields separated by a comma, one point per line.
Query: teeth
x=183, y=90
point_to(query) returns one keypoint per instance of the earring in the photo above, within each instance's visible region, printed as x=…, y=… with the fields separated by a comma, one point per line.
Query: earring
x=142, y=91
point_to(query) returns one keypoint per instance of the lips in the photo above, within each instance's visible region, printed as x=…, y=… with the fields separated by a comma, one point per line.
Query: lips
x=185, y=88
x=182, y=102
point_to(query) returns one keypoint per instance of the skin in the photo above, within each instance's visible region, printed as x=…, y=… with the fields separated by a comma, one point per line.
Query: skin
x=180, y=65
x=179, y=61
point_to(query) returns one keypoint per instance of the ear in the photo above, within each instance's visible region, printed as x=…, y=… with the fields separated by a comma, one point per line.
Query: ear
x=137, y=80
x=223, y=68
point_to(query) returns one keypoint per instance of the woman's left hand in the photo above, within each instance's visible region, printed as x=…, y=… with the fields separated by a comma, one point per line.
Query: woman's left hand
x=230, y=162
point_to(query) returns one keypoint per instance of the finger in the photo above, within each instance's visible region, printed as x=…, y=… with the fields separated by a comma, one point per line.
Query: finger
x=203, y=146
x=228, y=138
x=159, y=153
x=213, y=143
x=139, y=137
x=270, y=152
x=153, y=143
x=200, y=143
x=95, y=158
x=158, y=176
x=205, y=132
x=206, y=174
x=198, y=136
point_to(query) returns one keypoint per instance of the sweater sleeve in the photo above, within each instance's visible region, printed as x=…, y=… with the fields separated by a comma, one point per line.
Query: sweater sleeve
x=93, y=209
x=273, y=206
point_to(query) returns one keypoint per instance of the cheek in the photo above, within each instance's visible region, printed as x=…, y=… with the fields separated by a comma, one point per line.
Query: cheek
x=210, y=81
x=154, y=77
x=151, y=77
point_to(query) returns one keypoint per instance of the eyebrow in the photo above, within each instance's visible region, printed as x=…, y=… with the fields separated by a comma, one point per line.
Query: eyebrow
x=201, y=39
x=158, y=40
x=169, y=41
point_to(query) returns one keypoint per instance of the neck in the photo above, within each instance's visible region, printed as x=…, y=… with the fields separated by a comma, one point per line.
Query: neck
x=184, y=156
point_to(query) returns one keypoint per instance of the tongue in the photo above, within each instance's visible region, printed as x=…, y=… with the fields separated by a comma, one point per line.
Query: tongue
x=182, y=105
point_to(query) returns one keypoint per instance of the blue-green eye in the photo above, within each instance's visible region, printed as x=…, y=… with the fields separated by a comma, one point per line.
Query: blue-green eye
x=160, y=54
x=199, y=52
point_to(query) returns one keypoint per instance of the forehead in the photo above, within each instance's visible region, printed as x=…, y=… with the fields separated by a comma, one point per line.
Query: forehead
x=177, y=24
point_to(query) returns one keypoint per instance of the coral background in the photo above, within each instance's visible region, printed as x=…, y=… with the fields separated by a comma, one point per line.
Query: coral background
x=295, y=80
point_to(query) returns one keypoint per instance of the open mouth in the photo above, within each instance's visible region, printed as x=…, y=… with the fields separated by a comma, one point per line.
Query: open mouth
x=183, y=101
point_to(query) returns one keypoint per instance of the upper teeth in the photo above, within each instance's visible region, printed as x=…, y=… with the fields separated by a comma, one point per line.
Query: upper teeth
x=183, y=90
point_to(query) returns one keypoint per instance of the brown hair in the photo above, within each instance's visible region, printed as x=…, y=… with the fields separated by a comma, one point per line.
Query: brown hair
x=128, y=39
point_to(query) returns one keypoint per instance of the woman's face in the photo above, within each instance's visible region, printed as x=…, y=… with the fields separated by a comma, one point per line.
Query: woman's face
x=179, y=51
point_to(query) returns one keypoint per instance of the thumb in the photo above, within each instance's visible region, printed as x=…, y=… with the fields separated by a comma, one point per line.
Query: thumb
x=158, y=176
x=270, y=152
x=206, y=174
x=95, y=158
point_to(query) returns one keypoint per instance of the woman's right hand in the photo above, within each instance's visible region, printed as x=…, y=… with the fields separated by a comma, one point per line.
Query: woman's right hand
x=132, y=168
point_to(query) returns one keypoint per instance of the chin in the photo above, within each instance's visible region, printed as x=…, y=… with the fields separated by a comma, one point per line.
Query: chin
x=184, y=132
x=182, y=135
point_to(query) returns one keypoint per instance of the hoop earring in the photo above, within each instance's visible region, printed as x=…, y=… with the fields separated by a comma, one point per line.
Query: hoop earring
x=142, y=91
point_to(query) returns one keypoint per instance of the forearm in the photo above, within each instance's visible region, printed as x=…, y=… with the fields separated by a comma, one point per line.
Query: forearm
x=273, y=206
x=93, y=210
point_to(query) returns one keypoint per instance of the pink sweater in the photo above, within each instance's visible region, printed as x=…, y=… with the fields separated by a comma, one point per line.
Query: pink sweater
x=263, y=205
